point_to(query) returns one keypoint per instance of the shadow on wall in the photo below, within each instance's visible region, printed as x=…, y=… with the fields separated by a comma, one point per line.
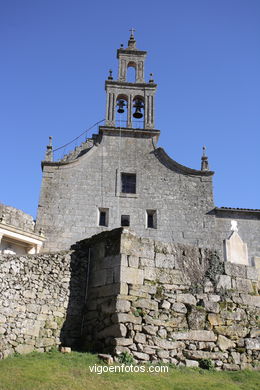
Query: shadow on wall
x=71, y=331
x=93, y=291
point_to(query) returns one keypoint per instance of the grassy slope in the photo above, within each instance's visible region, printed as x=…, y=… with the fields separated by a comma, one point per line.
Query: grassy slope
x=54, y=371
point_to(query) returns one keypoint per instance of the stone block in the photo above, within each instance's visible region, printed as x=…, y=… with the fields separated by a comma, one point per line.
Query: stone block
x=234, y=331
x=117, y=330
x=65, y=349
x=140, y=338
x=146, y=304
x=150, y=273
x=235, y=270
x=108, y=307
x=133, y=261
x=214, y=298
x=167, y=344
x=242, y=285
x=179, y=308
x=251, y=273
x=210, y=306
x=98, y=278
x=230, y=367
x=150, y=329
x=108, y=359
x=195, y=335
x=191, y=363
x=235, y=357
x=132, y=275
x=24, y=348
x=122, y=305
x=253, y=344
x=186, y=298
x=110, y=290
x=255, y=332
x=224, y=282
x=164, y=260
x=2, y=319
x=203, y=355
x=120, y=349
x=224, y=343
x=162, y=333
x=151, y=350
x=141, y=355
x=144, y=262
x=126, y=317
x=31, y=328
x=196, y=318
x=123, y=341
x=29, y=294
x=165, y=305
x=250, y=300
x=162, y=354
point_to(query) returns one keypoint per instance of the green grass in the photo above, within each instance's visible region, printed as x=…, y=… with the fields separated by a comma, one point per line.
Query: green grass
x=54, y=371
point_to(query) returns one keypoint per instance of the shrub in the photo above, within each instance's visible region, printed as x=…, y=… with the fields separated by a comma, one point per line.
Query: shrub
x=206, y=364
x=125, y=358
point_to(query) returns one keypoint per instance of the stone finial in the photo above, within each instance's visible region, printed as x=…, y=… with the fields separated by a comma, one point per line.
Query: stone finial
x=41, y=232
x=110, y=77
x=2, y=218
x=204, y=160
x=49, y=153
x=151, y=80
x=132, y=41
x=234, y=227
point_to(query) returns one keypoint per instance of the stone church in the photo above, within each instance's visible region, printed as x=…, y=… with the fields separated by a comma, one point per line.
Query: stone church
x=155, y=288
x=121, y=177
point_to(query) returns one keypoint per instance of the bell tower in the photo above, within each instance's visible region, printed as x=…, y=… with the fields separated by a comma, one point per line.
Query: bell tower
x=134, y=99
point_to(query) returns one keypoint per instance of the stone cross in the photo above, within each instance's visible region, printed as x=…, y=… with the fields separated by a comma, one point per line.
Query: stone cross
x=234, y=227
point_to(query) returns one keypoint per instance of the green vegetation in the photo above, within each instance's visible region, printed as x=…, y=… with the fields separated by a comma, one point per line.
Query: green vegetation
x=126, y=358
x=54, y=371
x=206, y=364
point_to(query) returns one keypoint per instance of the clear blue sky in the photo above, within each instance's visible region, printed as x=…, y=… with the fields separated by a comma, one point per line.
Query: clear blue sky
x=205, y=56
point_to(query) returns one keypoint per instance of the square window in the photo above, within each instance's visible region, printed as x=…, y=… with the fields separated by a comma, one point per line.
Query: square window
x=128, y=181
x=103, y=217
x=125, y=220
x=151, y=219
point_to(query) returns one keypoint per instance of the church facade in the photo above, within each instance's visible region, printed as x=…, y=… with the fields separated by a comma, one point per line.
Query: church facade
x=121, y=177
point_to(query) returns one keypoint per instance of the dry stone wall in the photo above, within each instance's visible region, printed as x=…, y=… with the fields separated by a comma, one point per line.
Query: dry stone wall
x=15, y=217
x=41, y=300
x=119, y=293
x=172, y=303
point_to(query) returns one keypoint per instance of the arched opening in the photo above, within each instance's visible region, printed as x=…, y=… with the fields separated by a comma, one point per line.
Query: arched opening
x=131, y=72
x=138, y=112
x=121, y=110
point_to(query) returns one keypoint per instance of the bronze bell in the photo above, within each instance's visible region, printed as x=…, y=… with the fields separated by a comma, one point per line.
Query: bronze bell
x=138, y=106
x=121, y=105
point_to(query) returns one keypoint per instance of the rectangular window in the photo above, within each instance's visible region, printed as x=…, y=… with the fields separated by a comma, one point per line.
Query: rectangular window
x=125, y=220
x=128, y=181
x=151, y=219
x=103, y=217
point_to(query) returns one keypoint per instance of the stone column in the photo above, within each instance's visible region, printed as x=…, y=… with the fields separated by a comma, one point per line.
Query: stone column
x=146, y=111
x=129, y=111
x=111, y=109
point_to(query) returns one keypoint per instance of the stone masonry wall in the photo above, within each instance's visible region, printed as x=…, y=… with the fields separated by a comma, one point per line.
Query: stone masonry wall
x=41, y=299
x=73, y=192
x=17, y=218
x=117, y=292
x=173, y=303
